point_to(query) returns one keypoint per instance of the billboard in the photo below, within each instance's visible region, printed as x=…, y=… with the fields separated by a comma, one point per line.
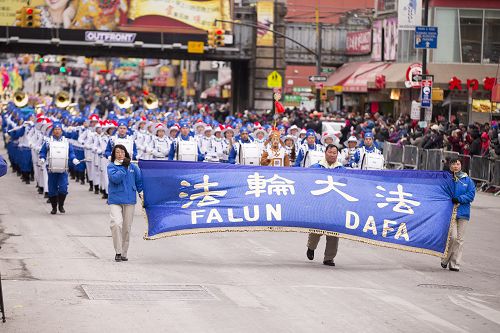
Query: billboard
x=359, y=42
x=128, y=15
x=265, y=19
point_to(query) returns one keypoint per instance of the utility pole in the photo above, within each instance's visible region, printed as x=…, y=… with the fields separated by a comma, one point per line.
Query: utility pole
x=318, y=57
x=424, y=53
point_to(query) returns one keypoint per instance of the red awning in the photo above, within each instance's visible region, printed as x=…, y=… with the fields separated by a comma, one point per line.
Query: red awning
x=342, y=73
x=358, y=81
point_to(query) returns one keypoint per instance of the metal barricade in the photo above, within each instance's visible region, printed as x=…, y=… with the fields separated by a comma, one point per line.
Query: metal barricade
x=411, y=156
x=393, y=155
x=422, y=163
x=495, y=175
x=480, y=169
x=465, y=163
x=434, y=159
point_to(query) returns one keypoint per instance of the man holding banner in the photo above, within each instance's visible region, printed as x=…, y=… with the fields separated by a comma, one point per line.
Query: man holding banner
x=332, y=242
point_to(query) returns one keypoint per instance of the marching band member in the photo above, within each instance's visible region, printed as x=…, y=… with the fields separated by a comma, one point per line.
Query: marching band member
x=218, y=143
x=86, y=140
x=57, y=151
x=293, y=130
x=244, y=150
x=122, y=138
x=161, y=144
x=274, y=154
x=20, y=133
x=205, y=140
x=109, y=127
x=260, y=138
x=310, y=152
x=140, y=137
x=185, y=148
x=96, y=159
x=227, y=143
x=348, y=152
x=368, y=157
x=332, y=243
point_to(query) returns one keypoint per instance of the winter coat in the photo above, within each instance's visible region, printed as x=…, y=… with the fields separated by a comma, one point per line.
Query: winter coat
x=123, y=184
x=465, y=190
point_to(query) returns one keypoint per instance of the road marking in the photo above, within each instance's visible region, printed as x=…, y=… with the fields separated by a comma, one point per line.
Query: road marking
x=468, y=303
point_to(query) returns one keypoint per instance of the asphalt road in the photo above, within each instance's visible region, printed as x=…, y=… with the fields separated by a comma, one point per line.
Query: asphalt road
x=59, y=275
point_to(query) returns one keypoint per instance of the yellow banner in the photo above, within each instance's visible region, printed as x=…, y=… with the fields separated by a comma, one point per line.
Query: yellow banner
x=199, y=14
x=265, y=19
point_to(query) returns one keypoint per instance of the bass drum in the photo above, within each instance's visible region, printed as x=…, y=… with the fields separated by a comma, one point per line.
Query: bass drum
x=313, y=157
x=58, y=156
x=373, y=161
x=249, y=154
x=187, y=151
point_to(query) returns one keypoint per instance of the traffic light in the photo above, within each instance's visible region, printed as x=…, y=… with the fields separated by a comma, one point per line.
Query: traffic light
x=219, y=37
x=20, y=18
x=32, y=17
x=63, y=69
x=211, y=38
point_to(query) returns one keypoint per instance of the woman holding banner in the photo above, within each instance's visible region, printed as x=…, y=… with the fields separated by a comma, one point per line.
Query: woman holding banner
x=125, y=180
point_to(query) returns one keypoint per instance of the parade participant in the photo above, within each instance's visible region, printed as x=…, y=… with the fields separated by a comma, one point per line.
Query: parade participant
x=310, y=152
x=199, y=128
x=86, y=140
x=274, y=153
x=348, y=152
x=21, y=134
x=218, y=143
x=291, y=147
x=96, y=159
x=302, y=135
x=244, y=151
x=3, y=166
x=140, y=137
x=368, y=157
x=122, y=138
x=161, y=144
x=464, y=193
x=332, y=243
x=125, y=181
x=184, y=147
x=57, y=151
x=260, y=138
x=293, y=130
x=205, y=140
x=109, y=127
x=227, y=143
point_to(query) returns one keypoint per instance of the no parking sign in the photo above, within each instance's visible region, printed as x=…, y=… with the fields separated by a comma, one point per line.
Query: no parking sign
x=426, y=92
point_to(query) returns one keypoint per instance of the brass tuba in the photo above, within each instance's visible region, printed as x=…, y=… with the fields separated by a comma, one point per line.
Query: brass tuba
x=62, y=100
x=123, y=101
x=20, y=99
x=150, y=101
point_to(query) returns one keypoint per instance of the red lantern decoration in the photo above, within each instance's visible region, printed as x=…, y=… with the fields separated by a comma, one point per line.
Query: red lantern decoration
x=455, y=83
x=380, y=81
x=279, y=107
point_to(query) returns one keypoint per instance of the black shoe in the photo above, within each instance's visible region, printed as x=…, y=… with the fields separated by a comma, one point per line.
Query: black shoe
x=118, y=257
x=328, y=263
x=444, y=265
x=105, y=195
x=91, y=187
x=124, y=258
x=310, y=254
x=96, y=189
x=454, y=269
x=53, y=201
x=60, y=201
x=46, y=195
x=40, y=190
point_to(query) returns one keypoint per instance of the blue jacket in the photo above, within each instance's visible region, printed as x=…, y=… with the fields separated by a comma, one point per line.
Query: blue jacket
x=465, y=190
x=123, y=184
x=3, y=166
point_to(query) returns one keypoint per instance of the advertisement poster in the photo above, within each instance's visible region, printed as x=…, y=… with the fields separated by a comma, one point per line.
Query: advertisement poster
x=265, y=19
x=130, y=15
x=359, y=42
x=409, y=14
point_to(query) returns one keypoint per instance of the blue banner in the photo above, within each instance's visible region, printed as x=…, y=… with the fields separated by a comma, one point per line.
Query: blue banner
x=405, y=209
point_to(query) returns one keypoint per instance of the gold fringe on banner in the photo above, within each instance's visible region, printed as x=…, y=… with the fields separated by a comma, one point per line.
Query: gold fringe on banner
x=303, y=230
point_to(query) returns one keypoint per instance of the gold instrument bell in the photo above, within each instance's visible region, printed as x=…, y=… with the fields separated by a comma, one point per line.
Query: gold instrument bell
x=20, y=99
x=62, y=100
x=151, y=101
x=123, y=101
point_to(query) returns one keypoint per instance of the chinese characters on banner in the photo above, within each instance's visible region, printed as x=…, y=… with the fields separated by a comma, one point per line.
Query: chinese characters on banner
x=409, y=210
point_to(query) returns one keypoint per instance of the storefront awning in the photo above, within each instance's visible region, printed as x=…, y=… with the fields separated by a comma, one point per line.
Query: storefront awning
x=395, y=74
x=358, y=81
x=342, y=74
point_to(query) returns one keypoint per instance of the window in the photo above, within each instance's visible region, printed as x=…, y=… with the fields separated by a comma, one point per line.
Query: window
x=448, y=46
x=491, y=51
x=471, y=30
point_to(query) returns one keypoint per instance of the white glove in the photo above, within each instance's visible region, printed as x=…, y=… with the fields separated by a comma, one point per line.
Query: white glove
x=109, y=158
x=41, y=161
x=76, y=161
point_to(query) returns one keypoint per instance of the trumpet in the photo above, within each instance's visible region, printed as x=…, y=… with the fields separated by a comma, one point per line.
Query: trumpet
x=123, y=101
x=20, y=99
x=62, y=100
x=151, y=102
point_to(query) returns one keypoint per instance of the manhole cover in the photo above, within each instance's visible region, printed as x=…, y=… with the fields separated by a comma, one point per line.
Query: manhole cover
x=444, y=286
x=146, y=292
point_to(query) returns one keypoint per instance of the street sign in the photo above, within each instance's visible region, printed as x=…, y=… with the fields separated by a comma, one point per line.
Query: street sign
x=426, y=37
x=196, y=47
x=317, y=78
x=426, y=91
x=274, y=80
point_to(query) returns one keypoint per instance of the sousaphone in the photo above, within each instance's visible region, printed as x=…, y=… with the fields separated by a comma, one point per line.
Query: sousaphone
x=20, y=99
x=62, y=100
x=123, y=101
x=150, y=101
